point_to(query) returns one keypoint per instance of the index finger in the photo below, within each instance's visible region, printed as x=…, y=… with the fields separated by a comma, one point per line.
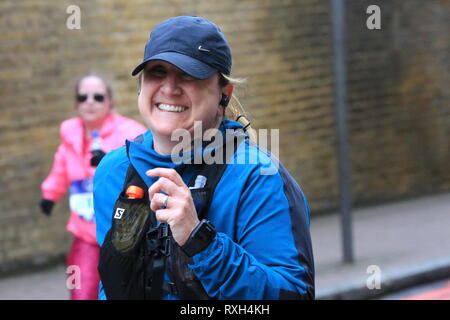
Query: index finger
x=170, y=174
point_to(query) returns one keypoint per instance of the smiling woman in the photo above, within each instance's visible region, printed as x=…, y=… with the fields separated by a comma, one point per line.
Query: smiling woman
x=200, y=230
x=171, y=99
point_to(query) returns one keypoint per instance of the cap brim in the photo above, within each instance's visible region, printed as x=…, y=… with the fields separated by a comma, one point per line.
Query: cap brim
x=191, y=66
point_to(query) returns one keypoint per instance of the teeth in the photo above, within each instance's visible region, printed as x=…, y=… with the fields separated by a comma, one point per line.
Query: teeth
x=167, y=107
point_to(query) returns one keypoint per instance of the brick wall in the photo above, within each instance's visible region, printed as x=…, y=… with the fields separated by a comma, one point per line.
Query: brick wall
x=399, y=100
x=398, y=95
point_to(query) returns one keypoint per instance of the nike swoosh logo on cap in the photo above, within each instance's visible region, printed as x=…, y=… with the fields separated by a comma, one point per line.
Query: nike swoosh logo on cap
x=200, y=48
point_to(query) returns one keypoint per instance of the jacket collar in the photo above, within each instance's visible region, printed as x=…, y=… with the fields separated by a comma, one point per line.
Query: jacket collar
x=143, y=156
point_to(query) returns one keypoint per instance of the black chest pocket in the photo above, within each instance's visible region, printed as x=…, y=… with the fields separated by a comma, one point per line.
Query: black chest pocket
x=123, y=258
x=131, y=219
x=200, y=199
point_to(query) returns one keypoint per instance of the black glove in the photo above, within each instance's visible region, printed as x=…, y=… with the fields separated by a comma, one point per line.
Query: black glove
x=97, y=156
x=47, y=206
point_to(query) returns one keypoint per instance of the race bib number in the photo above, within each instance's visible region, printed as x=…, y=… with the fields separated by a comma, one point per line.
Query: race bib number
x=81, y=199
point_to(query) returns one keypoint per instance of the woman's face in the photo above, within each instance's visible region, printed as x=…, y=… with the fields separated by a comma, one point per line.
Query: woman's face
x=97, y=104
x=170, y=99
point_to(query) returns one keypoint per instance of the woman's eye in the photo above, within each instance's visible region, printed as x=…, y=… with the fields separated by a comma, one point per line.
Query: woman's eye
x=186, y=77
x=157, y=72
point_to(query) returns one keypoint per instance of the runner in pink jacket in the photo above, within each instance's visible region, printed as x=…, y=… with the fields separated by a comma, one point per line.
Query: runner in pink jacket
x=73, y=170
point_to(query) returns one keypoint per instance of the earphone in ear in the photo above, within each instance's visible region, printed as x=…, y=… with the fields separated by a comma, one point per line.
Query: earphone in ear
x=224, y=100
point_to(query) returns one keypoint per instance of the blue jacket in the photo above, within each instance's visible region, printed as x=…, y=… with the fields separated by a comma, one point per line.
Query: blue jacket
x=262, y=249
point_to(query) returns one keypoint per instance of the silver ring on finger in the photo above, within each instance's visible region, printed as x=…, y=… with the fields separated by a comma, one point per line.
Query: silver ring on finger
x=164, y=202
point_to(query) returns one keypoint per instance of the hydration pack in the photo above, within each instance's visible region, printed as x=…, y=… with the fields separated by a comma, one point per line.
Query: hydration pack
x=137, y=250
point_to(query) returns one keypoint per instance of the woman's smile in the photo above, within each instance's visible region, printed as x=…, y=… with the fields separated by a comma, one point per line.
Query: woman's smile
x=170, y=108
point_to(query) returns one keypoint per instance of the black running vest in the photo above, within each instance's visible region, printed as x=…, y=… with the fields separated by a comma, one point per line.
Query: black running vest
x=137, y=250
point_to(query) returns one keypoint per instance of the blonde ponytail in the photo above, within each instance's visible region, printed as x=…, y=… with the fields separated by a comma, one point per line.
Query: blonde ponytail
x=235, y=111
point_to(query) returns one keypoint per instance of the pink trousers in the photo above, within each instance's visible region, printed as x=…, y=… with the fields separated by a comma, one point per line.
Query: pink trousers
x=83, y=277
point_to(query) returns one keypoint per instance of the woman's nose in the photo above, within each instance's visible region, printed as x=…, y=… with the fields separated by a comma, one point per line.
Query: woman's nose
x=171, y=85
x=90, y=99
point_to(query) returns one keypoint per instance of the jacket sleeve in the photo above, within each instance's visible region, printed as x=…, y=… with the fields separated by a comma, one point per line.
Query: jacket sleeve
x=264, y=260
x=108, y=181
x=55, y=185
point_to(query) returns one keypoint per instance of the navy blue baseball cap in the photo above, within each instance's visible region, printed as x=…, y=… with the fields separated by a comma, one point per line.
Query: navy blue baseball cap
x=193, y=44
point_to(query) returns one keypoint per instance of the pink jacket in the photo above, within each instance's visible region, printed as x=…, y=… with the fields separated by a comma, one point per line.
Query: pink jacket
x=72, y=162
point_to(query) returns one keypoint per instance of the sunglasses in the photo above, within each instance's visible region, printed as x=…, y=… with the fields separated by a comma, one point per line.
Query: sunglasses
x=97, y=97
